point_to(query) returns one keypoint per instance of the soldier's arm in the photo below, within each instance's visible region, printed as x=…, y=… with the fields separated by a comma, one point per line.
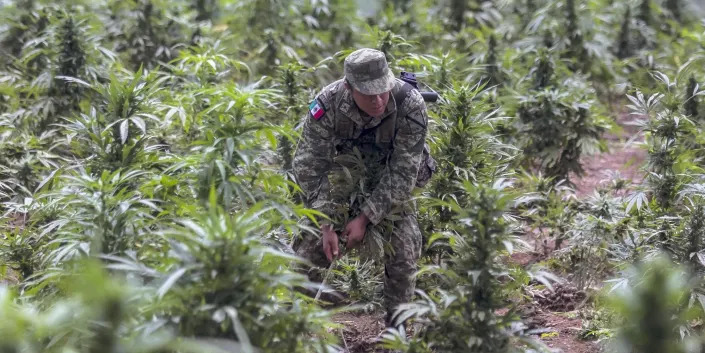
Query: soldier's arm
x=313, y=160
x=399, y=176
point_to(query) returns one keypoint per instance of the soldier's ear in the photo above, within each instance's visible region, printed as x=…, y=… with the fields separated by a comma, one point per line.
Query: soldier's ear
x=347, y=85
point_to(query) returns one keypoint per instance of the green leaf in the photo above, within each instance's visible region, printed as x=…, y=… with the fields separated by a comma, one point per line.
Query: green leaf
x=124, y=128
x=45, y=181
x=170, y=281
x=74, y=80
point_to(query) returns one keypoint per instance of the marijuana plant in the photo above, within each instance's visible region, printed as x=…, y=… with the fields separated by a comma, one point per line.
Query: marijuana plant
x=242, y=288
x=692, y=104
x=71, y=60
x=360, y=280
x=461, y=314
x=146, y=32
x=645, y=13
x=95, y=313
x=668, y=130
x=651, y=309
x=624, y=42
x=556, y=124
x=466, y=145
x=549, y=207
x=674, y=7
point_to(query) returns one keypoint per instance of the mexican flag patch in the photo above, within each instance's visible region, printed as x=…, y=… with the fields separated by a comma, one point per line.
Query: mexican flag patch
x=316, y=109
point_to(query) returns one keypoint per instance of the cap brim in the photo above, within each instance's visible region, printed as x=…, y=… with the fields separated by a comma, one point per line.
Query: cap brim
x=376, y=86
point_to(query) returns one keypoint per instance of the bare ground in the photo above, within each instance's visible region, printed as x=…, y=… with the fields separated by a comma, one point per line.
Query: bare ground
x=563, y=332
x=360, y=331
x=600, y=168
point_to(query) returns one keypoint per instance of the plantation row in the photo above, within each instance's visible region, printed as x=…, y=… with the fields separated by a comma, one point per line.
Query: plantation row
x=149, y=205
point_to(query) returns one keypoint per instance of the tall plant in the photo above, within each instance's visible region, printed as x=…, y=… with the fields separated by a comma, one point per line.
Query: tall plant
x=652, y=311
x=466, y=145
x=559, y=121
x=243, y=288
x=461, y=314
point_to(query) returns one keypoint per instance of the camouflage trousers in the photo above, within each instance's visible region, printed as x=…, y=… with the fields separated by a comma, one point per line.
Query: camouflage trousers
x=399, y=267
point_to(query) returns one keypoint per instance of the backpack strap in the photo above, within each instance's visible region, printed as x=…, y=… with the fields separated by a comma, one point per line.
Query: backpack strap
x=401, y=94
x=344, y=127
x=385, y=132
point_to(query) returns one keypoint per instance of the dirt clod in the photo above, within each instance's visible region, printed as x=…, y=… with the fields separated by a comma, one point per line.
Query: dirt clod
x=563, y=298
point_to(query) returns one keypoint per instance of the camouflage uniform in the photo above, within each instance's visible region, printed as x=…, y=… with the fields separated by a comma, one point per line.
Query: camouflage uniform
x=391, y=145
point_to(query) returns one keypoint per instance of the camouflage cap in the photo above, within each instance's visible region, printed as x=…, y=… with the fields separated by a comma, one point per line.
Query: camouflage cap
x=367, y=71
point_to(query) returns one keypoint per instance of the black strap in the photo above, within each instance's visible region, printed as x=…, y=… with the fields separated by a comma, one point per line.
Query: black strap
x=401, y=94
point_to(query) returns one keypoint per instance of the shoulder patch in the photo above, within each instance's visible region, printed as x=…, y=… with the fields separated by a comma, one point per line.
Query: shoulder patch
x=316, y=109
x=419, y=117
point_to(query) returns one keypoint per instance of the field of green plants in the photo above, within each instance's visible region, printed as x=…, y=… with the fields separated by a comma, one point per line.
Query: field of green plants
x=148, y=203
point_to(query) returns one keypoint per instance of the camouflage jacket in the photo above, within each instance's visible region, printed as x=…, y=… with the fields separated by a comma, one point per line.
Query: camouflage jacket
x=343, y=128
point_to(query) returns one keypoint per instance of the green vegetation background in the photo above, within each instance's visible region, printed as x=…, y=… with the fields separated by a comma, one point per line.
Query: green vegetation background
x=148, y=203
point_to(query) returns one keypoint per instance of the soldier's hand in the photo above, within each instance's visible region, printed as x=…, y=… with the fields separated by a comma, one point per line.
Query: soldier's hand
x=355, y=230
x=330, y=242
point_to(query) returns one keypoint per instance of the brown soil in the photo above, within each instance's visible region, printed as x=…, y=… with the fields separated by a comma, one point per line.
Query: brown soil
x=524, y=259
x=623, y=156
x=563, y=298
x=562, y=331
x=599, y=169
x=540, y=247
x=14, y=221
x=360, y=331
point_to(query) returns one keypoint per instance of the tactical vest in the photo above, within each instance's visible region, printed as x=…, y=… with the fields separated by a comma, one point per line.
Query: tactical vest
x=385, y=131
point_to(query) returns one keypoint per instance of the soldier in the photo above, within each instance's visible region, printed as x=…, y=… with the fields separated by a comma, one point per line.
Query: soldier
x=385, y=119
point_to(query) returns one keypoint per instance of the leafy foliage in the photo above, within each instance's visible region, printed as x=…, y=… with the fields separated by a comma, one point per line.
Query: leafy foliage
x=652, y=310
x=145, y=168
x=461, y=315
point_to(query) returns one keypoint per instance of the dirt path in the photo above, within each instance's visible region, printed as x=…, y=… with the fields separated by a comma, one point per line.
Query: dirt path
x=562, y=334
x=623, y=158
x=601, y=168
